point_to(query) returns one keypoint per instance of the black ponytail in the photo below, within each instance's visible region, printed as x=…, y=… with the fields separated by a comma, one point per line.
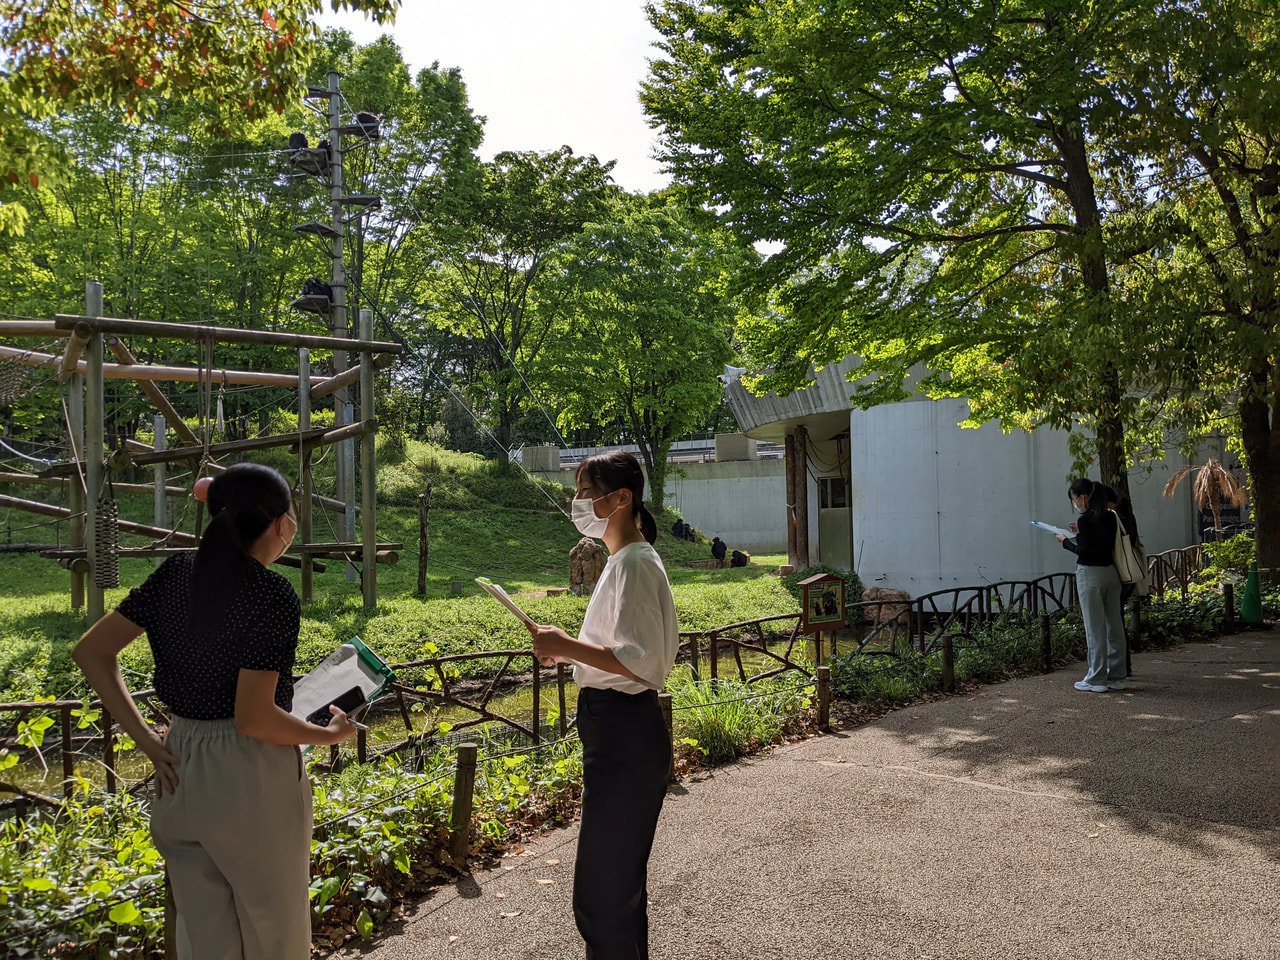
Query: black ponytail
x=619, y=470
x=1096, y=492
x=243, y=501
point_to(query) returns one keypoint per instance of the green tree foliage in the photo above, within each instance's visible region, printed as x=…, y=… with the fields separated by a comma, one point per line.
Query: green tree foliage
x=494, y=238
x=1204, y=84
x=182, y=225
x=648, y=296
x=933, y=179
x=240, y=60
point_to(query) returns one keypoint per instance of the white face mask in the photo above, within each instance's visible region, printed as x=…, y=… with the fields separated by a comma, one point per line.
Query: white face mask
x=583, y=514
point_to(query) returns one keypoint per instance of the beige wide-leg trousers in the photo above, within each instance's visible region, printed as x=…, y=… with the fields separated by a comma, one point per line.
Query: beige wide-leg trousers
x=236, y=837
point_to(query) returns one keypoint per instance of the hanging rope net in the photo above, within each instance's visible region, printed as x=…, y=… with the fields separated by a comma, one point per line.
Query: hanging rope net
x=15, y=381
x=106, y=543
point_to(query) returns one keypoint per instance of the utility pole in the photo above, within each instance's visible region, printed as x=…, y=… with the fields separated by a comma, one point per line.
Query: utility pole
x=346, y=453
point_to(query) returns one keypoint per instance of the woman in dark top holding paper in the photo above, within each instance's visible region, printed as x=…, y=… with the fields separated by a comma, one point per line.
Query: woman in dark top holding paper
x=233, y=812
x=621, y=660
x=1098, y=584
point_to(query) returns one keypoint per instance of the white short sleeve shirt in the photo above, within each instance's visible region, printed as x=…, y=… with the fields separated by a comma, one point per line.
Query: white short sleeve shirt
x=632, y=613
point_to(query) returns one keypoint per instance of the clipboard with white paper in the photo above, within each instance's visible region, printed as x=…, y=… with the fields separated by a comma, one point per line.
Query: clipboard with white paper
x=351, y=665
x=496, y=591
x=1050, y=528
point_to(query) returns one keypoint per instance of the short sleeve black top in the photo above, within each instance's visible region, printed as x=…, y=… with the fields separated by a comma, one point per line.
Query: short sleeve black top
x=197, y=679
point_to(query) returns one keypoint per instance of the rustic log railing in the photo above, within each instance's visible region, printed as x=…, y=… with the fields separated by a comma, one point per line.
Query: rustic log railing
x=449, y=681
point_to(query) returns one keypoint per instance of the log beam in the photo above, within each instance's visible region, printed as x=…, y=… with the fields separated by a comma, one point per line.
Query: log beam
x=334, y=384
x=128, y=526
x=200, y=331
x=31, y=328
x=158, y=399
x=69, y=366
x=60, y=481
x=148, y=371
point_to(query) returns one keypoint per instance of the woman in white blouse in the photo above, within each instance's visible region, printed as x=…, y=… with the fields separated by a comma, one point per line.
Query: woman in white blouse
x=621, y=660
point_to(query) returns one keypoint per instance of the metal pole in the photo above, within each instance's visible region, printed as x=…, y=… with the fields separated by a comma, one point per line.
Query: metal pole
x=368, y=475
x=75, y=418
x=161, y=497
x=345, y=459
x=802, y=498
x=304, y=472
x=94, y=402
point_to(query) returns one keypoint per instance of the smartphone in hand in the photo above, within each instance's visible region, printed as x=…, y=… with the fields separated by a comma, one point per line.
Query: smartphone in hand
x=346, y=702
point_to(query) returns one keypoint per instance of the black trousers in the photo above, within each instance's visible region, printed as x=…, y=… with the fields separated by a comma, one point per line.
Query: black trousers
x=625, y=755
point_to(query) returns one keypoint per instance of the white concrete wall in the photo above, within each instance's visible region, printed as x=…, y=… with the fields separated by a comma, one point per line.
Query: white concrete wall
x=935, y=506
x=742, y=502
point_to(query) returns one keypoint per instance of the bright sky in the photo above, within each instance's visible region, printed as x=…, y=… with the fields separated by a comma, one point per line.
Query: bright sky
x=543, y=72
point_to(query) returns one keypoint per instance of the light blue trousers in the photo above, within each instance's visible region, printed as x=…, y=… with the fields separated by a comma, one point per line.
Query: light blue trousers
x=1099, y=589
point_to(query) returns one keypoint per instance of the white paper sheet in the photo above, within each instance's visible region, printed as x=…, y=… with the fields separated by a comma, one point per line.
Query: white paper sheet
x=501, y=596
x=1056, y=531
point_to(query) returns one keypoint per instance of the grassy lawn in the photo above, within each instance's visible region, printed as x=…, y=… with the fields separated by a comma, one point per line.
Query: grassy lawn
x=483, y=522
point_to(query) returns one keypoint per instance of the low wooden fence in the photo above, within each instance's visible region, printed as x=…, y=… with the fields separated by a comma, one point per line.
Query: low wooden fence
x=76, y=730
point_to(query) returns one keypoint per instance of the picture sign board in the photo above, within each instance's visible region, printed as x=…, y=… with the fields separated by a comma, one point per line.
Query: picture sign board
x=822, y=603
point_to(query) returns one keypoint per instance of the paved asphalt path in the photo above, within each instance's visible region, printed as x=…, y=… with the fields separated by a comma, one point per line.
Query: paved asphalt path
x=1027, y=820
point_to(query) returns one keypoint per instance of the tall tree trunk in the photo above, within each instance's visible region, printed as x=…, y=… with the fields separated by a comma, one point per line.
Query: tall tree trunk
x=1262, y=457
x=506, y=418
x=1112, y=466
x=658, y=476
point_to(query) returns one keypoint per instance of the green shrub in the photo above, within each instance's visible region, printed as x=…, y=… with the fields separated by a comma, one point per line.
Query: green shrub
x=1228, y=559
x=723, y=726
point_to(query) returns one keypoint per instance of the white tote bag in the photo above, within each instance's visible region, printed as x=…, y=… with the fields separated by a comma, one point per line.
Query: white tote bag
x=1127, y=561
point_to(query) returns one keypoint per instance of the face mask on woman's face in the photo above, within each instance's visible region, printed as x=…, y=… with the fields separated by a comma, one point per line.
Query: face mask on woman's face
x=584, y=517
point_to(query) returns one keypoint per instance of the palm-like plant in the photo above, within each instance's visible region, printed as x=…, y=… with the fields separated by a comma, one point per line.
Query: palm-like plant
x=1213, y=484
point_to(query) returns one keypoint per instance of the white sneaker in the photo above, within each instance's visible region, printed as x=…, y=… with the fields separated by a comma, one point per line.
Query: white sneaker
x=1116, y=684
x=1090, y=687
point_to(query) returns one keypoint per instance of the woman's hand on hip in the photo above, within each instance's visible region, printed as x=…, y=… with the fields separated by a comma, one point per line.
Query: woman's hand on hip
x=165, y=762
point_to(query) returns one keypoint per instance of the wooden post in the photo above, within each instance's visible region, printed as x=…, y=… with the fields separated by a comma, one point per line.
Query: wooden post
x=93, y=452
x=161, y=503
x=109, y=749
x=368, y=473
x=564, y=719
x=713, y=650
x=304, y=472
x=68, y=757
x=536, y=726
x=789, y=468
x=170, y=920
x=1046, y=644
x=948, y=665
x=1228, y=607
x=424, y=510
x=824, y=697
x=664, y=702
x=464, y=783
x=802, y=499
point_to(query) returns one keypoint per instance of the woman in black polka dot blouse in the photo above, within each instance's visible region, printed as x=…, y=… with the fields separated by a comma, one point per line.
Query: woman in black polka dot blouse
x=233, y=812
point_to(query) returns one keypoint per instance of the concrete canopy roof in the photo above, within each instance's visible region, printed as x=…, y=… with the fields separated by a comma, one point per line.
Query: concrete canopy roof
x=821, y=408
